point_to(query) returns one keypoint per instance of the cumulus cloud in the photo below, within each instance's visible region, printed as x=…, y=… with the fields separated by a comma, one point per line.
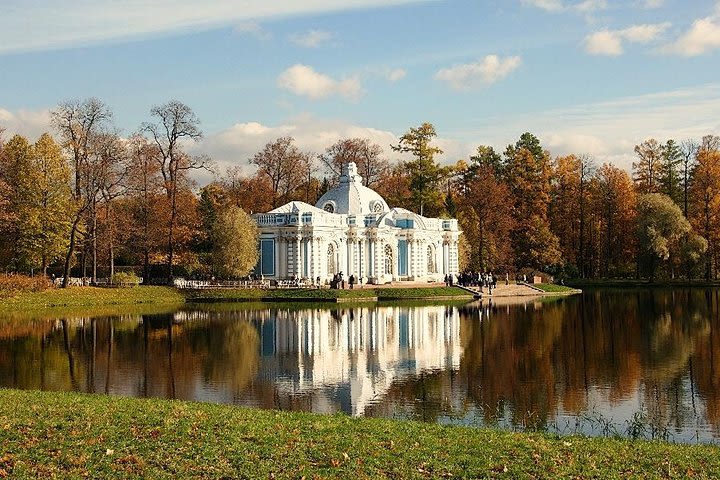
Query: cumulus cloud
x=311, y=38
x=396, y=74
x=28, y=123
x=702, y=37
x=305, y=81
x=610, y=42
x=484, y=72
x=67, y=23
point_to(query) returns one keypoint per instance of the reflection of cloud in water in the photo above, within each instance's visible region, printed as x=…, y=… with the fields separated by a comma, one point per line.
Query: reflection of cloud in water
x=358, y=352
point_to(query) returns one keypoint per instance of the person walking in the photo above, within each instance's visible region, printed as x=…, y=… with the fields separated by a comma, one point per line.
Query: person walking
x=351, y=281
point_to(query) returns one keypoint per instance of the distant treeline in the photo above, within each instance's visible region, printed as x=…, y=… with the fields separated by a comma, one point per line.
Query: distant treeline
x=90, y=199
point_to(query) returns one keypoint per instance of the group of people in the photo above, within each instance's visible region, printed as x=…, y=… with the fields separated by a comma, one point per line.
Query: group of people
x=473, y=279
x=338, y=281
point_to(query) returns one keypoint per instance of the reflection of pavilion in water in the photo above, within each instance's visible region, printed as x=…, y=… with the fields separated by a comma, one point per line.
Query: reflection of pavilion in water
x=357, y=352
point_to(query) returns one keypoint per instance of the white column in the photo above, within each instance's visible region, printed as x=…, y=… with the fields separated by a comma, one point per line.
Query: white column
x=446, y=258
x=371, y=260
x=276, y=260
x=348, y=258
x=297, y=256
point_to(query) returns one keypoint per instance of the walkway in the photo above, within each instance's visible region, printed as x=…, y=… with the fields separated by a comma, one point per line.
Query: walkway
x=511, y=290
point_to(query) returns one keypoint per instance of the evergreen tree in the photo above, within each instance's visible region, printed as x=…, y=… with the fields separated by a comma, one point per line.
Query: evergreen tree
x=425, y=173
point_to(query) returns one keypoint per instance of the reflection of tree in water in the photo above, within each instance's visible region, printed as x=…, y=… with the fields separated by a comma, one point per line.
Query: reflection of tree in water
x=706, y=361
x=536, y=360
x=141, y=355
x=656, y=350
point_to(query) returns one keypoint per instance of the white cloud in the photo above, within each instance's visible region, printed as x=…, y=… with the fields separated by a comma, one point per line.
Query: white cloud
x=608, y=131
x=252, y=29
x=584, y=6
x=702, y=37
x=590, y=6
x=652, y=3
x=610, y=42
x=52, y=24
x=548, y=5
x=304, y=81
x=28, y=123
x=484, y=72
x=311, y=38
x=604, y=42
x=396, y=74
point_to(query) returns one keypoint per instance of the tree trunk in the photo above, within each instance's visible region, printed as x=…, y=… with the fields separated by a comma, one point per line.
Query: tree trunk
x=94, y=242
x=71, y=249
x=171, y=239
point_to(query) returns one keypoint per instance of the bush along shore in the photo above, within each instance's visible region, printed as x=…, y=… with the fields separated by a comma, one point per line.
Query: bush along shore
x=70, y=435
x=151, y=295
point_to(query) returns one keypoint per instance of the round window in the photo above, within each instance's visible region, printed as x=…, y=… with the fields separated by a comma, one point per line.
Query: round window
x=376, y=207
x=329, y=207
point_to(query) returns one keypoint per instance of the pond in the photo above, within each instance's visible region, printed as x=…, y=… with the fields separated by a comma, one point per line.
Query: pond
x=633, y=362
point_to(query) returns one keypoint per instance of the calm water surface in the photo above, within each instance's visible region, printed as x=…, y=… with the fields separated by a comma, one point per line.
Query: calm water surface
x=639, y=363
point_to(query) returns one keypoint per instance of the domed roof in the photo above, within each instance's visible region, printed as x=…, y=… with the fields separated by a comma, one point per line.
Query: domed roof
x=351, y=196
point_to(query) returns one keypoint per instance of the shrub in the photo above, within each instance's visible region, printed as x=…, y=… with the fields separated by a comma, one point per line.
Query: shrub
x=126, y=279
x=11, y=285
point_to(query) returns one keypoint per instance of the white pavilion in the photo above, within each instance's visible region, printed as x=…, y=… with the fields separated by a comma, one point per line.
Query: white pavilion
x=352, y=230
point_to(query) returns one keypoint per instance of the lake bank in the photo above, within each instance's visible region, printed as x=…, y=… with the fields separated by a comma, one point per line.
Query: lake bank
x=69, y=434
x=168, y=296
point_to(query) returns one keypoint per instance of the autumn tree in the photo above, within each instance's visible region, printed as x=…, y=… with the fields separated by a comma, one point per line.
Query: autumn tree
x=367, y=156
x=705, y=202
x=613, y=206
x=79, y=124
x=661, y=225
x=486, y=220
x=648, y=169
x=284, y=165
x=253, y=194
x=175, y=123
x=528, y=174
x=394, y=187
x=569, y=208
x=48, y=222
x=425, y=174
x=234, y=243
x=144, y=197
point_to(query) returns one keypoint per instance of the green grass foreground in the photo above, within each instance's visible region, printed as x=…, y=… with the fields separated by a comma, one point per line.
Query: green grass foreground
x=167, y=296
x=67, y=435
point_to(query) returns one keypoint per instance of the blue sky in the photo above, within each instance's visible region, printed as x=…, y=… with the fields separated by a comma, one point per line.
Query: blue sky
x=590, y=77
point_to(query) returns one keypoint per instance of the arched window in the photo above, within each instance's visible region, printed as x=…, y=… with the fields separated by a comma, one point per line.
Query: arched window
x=431, y=266
x=388, y=260
x=331, y=259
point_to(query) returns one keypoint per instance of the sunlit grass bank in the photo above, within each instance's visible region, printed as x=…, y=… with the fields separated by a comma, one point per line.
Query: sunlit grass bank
x=553, y=288
x=91, y=296
x=66, y=435
x=97, y=297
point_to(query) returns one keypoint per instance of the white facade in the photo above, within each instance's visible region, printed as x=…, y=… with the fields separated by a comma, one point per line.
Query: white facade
x=352, y=230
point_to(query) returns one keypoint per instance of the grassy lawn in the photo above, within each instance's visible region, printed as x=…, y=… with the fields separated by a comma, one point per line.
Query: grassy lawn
x=66, y=435
x=553, y=288
x=87, y=297
x=91, y=296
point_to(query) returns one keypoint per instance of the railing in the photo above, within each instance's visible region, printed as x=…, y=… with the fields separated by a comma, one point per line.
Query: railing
x=206, y=284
